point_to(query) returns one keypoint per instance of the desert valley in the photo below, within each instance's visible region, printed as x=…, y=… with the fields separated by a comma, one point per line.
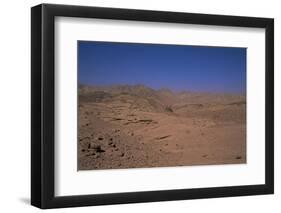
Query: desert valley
x=134, y=126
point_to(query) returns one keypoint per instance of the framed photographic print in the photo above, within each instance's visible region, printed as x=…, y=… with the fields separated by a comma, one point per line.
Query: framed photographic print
x=139, y=106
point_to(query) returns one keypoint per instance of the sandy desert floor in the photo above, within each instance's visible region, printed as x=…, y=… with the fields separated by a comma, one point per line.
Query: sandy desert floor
x=137, y=127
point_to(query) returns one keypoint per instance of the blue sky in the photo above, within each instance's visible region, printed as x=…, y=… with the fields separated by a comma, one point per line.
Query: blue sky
x=177, y=67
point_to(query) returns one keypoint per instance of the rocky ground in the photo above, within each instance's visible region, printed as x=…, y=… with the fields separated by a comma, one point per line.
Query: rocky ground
x=138, y=127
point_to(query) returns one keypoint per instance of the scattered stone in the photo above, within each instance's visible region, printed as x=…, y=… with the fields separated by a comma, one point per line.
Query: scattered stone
x=163, y=137
x=98, y=148
x=100, y=138
x=117, y=119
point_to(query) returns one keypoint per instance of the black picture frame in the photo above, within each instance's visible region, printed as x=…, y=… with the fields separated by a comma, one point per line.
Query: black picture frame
x=43, y=102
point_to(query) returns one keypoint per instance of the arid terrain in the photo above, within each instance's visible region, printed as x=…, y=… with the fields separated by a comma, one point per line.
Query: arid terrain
x=125, y=126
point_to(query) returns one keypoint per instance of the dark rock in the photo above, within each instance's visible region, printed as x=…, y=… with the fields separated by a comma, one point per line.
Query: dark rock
x=99, y=149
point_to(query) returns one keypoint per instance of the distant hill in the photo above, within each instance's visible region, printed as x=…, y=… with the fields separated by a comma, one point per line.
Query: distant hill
x=156, y=100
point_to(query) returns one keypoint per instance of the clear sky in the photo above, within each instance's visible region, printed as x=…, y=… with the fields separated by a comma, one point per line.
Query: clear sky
x=177, y=67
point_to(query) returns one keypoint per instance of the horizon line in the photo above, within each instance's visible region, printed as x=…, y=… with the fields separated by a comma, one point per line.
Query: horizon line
x=243, y=93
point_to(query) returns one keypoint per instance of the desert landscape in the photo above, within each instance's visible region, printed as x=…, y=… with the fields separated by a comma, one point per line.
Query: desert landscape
x=135, y=126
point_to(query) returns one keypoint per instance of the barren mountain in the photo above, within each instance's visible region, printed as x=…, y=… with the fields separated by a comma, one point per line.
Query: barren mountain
x=125, y=126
